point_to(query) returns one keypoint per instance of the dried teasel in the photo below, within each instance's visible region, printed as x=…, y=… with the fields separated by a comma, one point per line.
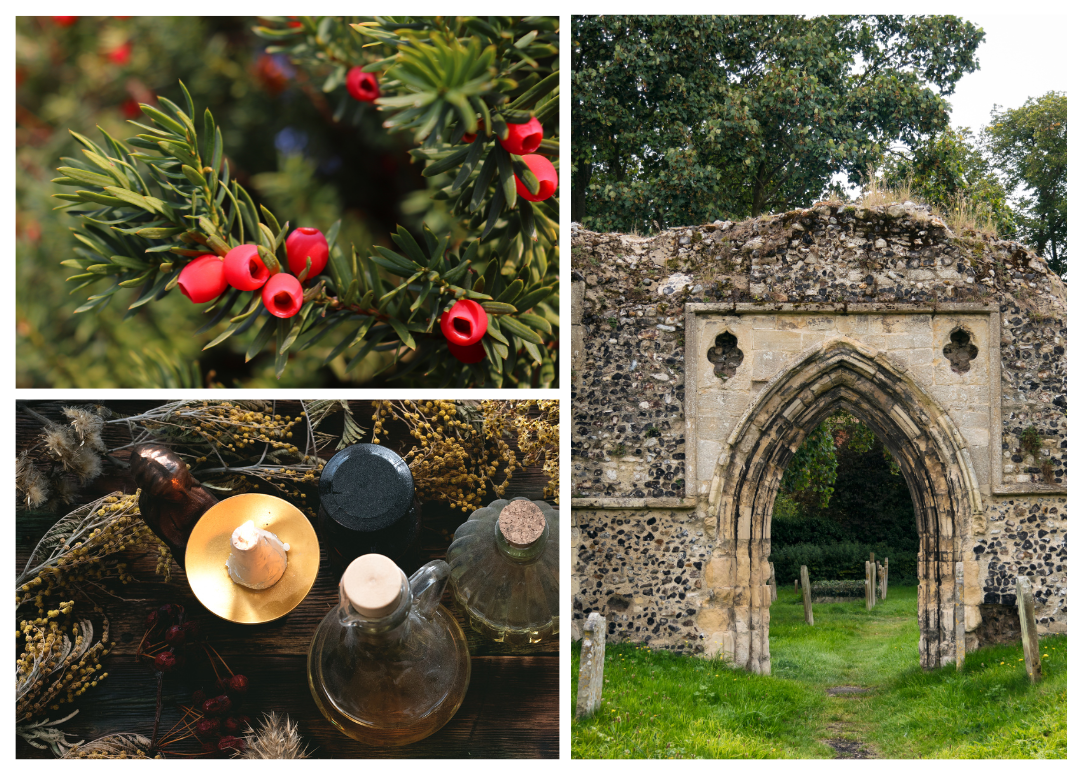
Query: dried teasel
x=87, y=424
x=30, y=481
x=277, y=737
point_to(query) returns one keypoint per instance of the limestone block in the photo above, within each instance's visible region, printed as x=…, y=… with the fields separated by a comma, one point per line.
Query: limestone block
x=720, y=572
x=589, y=692
x=767, y=364
x=776, y=340
x=707, y=453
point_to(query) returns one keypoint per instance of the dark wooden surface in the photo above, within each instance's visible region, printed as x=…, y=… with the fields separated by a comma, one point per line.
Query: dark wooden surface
x=510, y=710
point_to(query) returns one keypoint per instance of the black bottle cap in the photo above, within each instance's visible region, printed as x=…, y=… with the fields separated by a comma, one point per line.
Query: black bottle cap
x=366, y=488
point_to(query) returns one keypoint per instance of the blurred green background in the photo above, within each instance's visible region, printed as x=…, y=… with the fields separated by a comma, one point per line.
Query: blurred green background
x=81, y=72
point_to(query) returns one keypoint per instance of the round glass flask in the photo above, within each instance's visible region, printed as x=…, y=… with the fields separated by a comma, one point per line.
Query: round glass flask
x=503, y=566
x=389, y=665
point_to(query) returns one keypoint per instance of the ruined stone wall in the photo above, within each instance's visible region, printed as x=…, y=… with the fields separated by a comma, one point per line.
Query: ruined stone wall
x=892, y=278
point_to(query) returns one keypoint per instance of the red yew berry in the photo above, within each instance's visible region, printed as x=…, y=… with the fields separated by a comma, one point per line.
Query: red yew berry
x=244, y=720
x=362, y=85
x=232, y=725
x=237, y=684
x=209, y=746
x=216, y=705
x=130, y=109
x=244, y=269
x=207, y=728
x=152, y=619
x=470, y=138
x=198, y=697
x=523, y=137
x=203, y=279
x=465, y=323
x=165, y=661
x=469, y=355
x=64, y=21
x=174, y=635
x=169, y=610
x=228, y=741
x=546, y=174
x=283, y=295
x=121, y=54
x=303, y=243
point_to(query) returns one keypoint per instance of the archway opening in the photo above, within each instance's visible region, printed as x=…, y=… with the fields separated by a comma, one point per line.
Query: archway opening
x=843, y=501
x=840, y=375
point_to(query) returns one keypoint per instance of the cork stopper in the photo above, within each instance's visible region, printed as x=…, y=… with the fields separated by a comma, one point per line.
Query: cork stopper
x=521, y=523
x=372, y=584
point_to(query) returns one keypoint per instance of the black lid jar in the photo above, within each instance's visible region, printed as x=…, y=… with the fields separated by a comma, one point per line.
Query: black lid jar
x=367, y=504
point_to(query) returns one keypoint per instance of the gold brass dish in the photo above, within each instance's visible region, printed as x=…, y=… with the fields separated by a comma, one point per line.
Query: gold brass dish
x=211, y=542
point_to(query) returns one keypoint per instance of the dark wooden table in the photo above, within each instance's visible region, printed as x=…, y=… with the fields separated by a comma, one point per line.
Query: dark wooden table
x=510, y=710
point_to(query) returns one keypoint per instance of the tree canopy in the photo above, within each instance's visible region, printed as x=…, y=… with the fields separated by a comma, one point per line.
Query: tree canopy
x=1029, y=146
x=683, y=119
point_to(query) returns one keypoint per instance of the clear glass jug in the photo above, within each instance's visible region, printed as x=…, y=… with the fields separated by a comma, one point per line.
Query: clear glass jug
x=503, y=566
x=389, y=665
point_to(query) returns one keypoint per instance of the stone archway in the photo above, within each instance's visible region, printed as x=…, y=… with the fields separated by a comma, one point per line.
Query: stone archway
x=839, y=373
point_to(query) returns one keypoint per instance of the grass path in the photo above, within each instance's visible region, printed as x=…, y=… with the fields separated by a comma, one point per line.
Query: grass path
x=849, y=687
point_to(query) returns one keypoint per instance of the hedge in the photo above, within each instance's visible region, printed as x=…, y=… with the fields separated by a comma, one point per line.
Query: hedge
x=844, y=560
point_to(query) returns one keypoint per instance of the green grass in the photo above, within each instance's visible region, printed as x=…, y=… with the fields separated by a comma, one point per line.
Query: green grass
x=660, y=705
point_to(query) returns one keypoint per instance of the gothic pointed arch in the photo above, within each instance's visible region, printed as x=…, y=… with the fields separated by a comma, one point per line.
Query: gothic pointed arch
x=840, y=373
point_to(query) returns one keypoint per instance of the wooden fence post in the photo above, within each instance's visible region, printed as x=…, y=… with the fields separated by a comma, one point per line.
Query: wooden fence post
x=1030, y=644
x=589, y=689
x=806, y=594
x=886, y=577
x=959, y=616
x=774, y=587
x=797, y=584
x=875, y=582
x=868, y=586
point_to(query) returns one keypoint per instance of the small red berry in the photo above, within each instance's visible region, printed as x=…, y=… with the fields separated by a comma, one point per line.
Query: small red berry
x=130, y=109
x=152, y=619
x=238, y=684
x=362, y=85
x=465, y=323
x=121, y=54
x=168, y=610
x=546, y=174
x=470, y=138
x=303, y=243
x=283, y=295
x=174, y=635
x=216, y=705
x=165, y=661
x=244, y=269
x=228, y=741
x=64, y=21
x=198, y=697
x=221, y=685
x=469, y=355
x=209, y=746
x=232, y=725
x=244, y=720
x=523, y=137
x=208, y=727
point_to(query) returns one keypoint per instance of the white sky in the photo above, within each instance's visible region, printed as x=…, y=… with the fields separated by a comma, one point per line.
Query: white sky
x=1021, y=57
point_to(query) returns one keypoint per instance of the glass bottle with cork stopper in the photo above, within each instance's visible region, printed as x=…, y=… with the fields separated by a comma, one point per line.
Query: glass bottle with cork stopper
x=367, y=504
x=389, y=665
x=503, y=566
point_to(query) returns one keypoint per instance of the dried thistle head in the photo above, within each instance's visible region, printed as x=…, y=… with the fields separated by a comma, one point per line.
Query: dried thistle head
x=61, y=442
x=85, y=463
x=87, y=426
x=29, y=479
x=276, y=738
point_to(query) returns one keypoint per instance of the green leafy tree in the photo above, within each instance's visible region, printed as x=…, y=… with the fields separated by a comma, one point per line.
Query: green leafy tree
x=949, y=170
x=681, y=119
x=150, y=205
x=809, y=478
x=1029, y=146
